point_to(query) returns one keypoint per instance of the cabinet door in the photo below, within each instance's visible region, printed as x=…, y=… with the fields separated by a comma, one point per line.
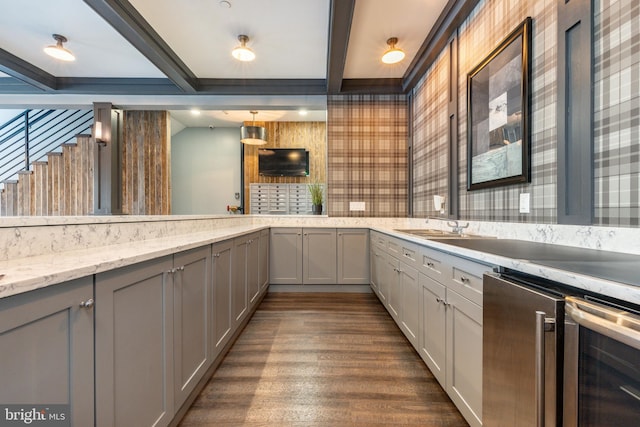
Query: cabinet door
x=464, y=353
x=353, y=256
x=252, y=267
x=285, y=266
x=433, y=330
x=239, y=291
x=319, y=256
x=378, y=279
x=134, y=345
x=47, y=349
x=192, y=317
x=222, y=285
x=263, y=263
x=392, y=279
x=410, y=294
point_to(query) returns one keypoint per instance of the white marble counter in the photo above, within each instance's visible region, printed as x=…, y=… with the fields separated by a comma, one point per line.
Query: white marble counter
x=621, y=291
x=30, y=273
x=38, y=252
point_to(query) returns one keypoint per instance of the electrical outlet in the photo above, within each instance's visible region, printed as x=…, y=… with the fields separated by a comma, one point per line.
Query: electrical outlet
x=356, y=206
x=525, y=201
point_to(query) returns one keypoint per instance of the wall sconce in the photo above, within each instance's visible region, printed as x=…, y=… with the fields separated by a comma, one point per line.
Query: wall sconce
x=97, y=134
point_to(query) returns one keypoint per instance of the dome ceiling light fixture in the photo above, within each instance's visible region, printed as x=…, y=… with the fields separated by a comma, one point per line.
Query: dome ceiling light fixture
x=393, y=55
x=253, y=135
x=242, y=52
x=58, y=51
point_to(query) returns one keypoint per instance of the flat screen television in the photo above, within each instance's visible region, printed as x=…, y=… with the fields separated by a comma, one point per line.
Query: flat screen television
x=283, y=162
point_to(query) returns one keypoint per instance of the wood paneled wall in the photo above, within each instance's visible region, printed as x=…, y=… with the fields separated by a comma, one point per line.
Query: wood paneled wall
x=311, y=136
x=146, y=163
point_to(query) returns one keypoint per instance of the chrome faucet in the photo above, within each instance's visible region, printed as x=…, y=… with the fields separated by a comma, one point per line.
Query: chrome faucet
x=456, y=227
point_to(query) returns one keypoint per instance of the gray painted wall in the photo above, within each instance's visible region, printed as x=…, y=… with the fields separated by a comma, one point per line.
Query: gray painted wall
x=205, y=170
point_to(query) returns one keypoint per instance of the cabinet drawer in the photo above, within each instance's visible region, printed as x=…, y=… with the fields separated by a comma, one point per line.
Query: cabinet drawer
x=410, y=254
x=378, y=240
x=433, y=264
x=394, y=247
x=466, y=279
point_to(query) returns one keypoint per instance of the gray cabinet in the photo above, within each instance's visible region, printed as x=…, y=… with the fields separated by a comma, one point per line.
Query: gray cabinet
x=222, y=286
x=285, y=266
x=433, y=333
x=319, y=262
x=263, y=261
x=134, y=345
x=410, y=305
x=50, y=337
x=239, y=276
x=436, y=300
x=353, y=260
x=464, y=354
x=253, y=268
x=192, y=319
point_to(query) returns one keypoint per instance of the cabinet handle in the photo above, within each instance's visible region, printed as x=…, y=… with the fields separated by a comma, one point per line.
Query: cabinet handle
x=181, y=268
x=216, y=255
x=439, y=300
x=87, y=304
x=430, y=265
x=172, y=271
x=464, y=279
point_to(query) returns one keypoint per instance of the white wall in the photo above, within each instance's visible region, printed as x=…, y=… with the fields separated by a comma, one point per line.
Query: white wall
x=205, y=170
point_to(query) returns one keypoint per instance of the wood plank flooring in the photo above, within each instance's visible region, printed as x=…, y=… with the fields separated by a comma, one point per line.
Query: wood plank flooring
x=322, y=359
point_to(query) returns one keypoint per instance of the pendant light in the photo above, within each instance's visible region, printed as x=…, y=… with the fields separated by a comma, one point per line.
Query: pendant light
x=242, y=52
x=58, y=51
x=393, y=55
x=253, y=135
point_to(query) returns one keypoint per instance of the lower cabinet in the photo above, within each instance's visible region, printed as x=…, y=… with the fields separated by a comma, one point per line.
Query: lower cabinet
x=319, y=256
x=464, y=353
x=319, y=262
x=433, y=327
x=435, y=298
x=353, y=262
x=263, y=260
x=50, y=336
x=192, y=316
x=222, y=288
x=134, y=345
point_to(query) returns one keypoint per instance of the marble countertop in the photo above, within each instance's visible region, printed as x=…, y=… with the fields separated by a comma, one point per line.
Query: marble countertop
x=548, y=266
x=30, y=273
x=24, y=274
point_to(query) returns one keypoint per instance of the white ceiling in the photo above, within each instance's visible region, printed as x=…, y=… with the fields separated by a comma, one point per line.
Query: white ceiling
x=290, y=39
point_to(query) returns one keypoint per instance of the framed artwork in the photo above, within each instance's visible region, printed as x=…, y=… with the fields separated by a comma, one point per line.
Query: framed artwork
x=498, y=121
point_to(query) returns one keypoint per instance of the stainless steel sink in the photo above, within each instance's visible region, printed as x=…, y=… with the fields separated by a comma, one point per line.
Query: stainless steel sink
x=427, y=233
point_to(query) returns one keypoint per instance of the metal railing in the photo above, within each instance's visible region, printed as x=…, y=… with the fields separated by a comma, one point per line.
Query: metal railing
x=30, y=135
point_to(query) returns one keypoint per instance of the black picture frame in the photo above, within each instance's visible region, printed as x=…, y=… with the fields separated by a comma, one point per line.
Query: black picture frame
x=498, y=114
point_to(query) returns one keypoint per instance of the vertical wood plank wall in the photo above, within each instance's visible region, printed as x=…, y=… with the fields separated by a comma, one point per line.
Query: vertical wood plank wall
x=311, y=136
x=146, y=163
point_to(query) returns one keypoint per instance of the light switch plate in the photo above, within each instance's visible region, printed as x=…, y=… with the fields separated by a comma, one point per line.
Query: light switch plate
x=525, y=200
x=356, y=206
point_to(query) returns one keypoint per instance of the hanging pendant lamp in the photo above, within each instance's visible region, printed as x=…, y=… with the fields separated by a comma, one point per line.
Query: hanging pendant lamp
x=393, y=55
x=253, y=135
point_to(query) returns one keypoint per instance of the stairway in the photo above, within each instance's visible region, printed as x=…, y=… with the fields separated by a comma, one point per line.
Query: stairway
x=42, y=171
x=63, y=184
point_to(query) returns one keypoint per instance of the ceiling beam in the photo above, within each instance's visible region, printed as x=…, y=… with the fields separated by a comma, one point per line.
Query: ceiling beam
x=454, y=13
x=26, y=72
x=162, y=86
x=126, y=20
x=372, y=86
x=341, y=16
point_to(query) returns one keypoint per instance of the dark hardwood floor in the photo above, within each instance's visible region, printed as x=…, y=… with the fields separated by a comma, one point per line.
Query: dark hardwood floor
x=309, y=359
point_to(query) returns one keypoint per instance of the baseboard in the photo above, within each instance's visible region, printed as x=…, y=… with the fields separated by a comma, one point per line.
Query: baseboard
x=321, y=288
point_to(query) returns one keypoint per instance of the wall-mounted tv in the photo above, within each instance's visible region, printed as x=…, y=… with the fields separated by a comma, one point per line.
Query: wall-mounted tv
x=283, y=162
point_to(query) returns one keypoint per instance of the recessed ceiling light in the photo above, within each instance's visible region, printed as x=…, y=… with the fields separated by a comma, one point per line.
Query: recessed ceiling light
x=393, y=55
x=242, y=52
x=58, y=51
x=195, y=111
x=303, y=112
